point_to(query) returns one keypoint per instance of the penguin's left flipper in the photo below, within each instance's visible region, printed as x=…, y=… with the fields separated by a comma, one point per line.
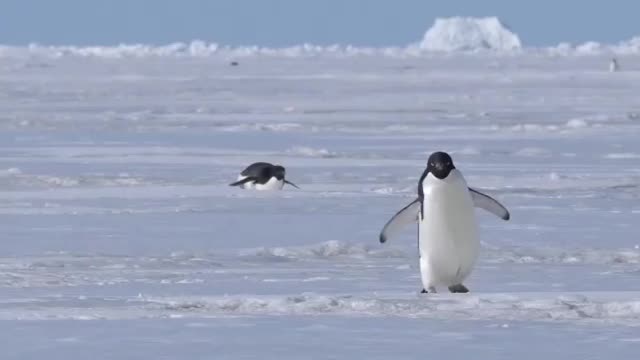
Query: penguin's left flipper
x=490, y=204
x=458, y=289
x=406, y=216
x=243, y=181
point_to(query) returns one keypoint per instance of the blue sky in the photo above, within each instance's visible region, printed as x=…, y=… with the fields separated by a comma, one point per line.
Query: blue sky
x=287, y=22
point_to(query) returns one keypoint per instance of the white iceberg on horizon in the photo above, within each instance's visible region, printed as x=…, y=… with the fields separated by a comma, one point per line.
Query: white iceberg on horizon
x=469, y=34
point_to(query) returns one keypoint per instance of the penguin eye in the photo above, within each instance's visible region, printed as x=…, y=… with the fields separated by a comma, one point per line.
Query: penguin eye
x=449, y=163
x=433, y=164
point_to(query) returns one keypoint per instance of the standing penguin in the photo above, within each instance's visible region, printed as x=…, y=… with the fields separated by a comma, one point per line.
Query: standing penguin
x=613, y=65
x=447, y=230
x=262, y=176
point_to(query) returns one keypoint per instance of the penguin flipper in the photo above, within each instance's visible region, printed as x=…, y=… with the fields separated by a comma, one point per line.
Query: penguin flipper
x=292, y=184
x=408, y=215
x=490, y=204
x=243, y=181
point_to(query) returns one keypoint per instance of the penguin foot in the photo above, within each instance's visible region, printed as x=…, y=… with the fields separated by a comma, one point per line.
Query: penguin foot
x=431, y=290
x=459, y=288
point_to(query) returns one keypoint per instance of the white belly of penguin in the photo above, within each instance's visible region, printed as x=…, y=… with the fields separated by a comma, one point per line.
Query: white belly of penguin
x=272, y=184
x=448, y=235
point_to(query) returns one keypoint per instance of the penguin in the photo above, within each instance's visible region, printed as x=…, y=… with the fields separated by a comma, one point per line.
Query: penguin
x=447, y=230
x=613, y=65
x=262, y=176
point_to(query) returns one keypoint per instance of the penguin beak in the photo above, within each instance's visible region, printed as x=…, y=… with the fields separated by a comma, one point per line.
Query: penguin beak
x=292, y=184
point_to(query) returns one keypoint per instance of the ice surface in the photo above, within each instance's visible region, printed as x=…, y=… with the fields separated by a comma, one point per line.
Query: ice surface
x=121, y=238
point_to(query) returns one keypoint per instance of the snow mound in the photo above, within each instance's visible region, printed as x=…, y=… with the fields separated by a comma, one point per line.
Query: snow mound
x=311, y=152
x=328, y=249
x=591, y=307
x=622, y=156
x=10, y=172
x=195, y=48
x=577, y=124
x=533, y=152
x=627, y=47
x=469, y=34
x=631, y=46
x=491, y=255
x=562, y=256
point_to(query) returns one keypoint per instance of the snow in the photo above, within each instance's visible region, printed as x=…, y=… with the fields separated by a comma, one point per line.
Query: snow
x=121, y=238
x=577, y=123
x=464, y=33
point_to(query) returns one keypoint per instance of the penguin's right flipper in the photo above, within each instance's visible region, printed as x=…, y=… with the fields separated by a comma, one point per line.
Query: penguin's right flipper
x=243, y=181
x=292, y=184
x=406, y=216
x=490, y=204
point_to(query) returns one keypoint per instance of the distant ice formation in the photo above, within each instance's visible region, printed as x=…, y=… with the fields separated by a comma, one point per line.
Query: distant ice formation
x=469, y=34
x=446, y=35
x=627, y=47
x=631, y=46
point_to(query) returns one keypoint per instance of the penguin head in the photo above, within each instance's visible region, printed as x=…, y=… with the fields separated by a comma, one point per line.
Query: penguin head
x=278, y=171
x=440, y=165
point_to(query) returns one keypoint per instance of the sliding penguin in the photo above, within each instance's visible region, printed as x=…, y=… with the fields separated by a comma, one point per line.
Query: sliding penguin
x=447, y=230
x=262, y=176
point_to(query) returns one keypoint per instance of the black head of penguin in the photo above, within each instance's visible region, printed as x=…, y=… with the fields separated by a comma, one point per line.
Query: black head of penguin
x=278, y=171
x=440, y=165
